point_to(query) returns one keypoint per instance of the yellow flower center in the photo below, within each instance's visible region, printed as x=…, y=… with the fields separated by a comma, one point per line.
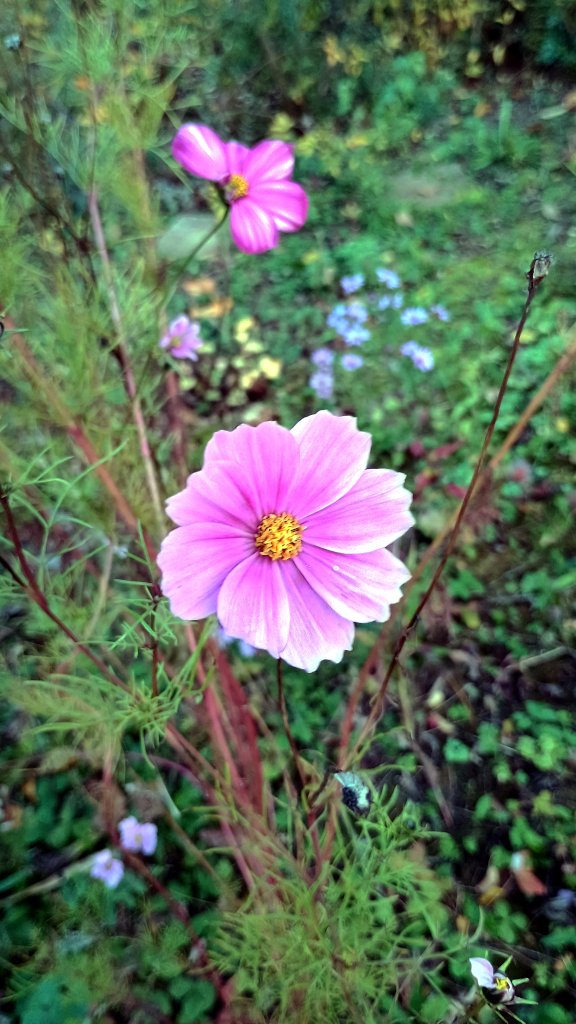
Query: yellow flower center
x=237, y=187
x=279, y=535
x=502, y=983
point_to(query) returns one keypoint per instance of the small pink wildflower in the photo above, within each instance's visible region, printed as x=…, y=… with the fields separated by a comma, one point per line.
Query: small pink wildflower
x=136, y=837
x=182, y=338
x=283, y=535
x=107, y=869
x=256, y=184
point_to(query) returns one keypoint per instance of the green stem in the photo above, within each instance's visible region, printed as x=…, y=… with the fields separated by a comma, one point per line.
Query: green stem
x=181, y=267
x=536, y=274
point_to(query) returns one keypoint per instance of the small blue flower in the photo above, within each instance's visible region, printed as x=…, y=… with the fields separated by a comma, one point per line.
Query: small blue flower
x=414, y=315
x=391, y=301
x=421, y=357
x=322, y=382
x=356, y=335
x=353, y=283
x=356, y=311
x=388, y=277
x=440, y=312
x=337, y=316
x=322, y=357
x=351, y=361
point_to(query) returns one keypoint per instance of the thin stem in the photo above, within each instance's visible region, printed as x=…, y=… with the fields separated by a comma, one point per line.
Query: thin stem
x=75, y=431
x=286, y=723
x=122, y=350
x=181, y=267
x=535, y=277
x=33, y=589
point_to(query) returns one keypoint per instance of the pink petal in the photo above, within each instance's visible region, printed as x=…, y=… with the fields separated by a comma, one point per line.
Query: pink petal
x=285, y=201
x=333, y=456
x=201, y=152
x=253, y=229
x=358, y=587
x=317, y=633
x=371, y=515
x=269, y=161
x=179, y=326
x=266, y=461
x=237, y=157
x=253, y=605
x=216, y=494
x=194, y=568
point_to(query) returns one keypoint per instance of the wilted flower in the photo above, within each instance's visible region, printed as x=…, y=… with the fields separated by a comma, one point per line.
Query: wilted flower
x=388, y=277
x=283, y=535
x=322, y=383
x=350, y=361
x=107, y=869
x=255, y=182
x=139, y=838
x=352, y=283
x=322, y=357
x=182, y=338
x=414, y=315
x=355, y=793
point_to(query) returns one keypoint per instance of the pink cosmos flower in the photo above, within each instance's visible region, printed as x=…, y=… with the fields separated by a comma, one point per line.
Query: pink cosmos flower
x=256, y=184
x=136, y=837
x=182, y=338
x=107, y=869
x=282, y=534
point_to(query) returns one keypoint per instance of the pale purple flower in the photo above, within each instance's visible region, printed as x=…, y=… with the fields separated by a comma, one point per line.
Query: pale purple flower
x=440, y=312
x=482, y=971
x=283, y=535
x=337, y=316
x=182, y=338
x=414, y=315
x=423, y=359
x=494, y=981
x=322, y=383
x=255, y=182
x=391, y=301
x=322, y=357
x=107, y=868
x=139, y=838
x=356, y=311
x=388, y=277
x=421, y=356
x=224, y=641
x=351, y=361
x=352, y=283
x=356, y=335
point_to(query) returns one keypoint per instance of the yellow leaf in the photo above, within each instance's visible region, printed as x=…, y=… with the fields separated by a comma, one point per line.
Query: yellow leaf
x=199, y=286
x=216, y=309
